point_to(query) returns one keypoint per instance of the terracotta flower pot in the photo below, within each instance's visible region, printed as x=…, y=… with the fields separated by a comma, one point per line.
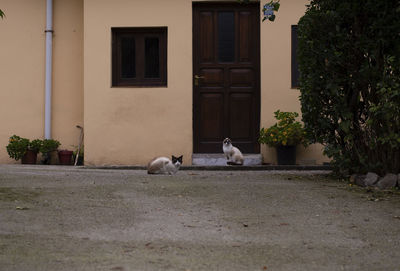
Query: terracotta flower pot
x=30, y=157
x=65, y=157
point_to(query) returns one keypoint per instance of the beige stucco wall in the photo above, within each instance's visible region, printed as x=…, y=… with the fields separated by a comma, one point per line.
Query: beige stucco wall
x=276, y=91
x=22, y=54
x=132, y=125
x=123, y=126
x=67, y=72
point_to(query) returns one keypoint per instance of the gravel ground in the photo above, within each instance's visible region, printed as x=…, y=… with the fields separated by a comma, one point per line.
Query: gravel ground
x=65, y=218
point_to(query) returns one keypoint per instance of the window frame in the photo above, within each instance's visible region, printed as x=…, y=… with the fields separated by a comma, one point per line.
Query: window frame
x=139, y=34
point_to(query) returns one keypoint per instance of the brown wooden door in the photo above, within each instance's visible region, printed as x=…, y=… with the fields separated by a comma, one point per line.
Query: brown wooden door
x=226, y=76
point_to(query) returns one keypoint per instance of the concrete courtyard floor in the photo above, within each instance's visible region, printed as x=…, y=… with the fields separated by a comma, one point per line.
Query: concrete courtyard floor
x=66, y=218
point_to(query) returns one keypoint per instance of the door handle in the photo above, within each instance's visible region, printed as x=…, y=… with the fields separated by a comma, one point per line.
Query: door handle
x=197, y=78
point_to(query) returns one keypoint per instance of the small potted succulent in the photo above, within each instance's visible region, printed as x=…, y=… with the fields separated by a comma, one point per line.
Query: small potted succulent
x=284, y=135
x=23, y=149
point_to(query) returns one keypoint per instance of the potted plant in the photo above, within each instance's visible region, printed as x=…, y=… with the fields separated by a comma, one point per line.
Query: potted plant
x=284, y=135
x=65, y=157
x=48, y=147
x=23, y=149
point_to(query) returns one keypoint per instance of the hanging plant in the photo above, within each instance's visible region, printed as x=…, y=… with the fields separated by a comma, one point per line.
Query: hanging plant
x=269, y=9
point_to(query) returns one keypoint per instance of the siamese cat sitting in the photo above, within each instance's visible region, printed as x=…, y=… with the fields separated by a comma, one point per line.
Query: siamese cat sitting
x=233, y=154
x=163, y=165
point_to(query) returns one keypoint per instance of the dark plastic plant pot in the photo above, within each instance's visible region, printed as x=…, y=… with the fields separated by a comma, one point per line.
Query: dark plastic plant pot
x=65, y=157
x=30, y=157
x=80, y=161
x=286, y=155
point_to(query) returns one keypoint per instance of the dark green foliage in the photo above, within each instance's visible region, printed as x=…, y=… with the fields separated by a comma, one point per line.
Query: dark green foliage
x=35, y=145
x=285, y=132
x=49, y=145
x=349, y=61
x=17, y=146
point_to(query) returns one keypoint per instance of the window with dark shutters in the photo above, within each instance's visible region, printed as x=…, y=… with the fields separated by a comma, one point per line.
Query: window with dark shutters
x=139, y=56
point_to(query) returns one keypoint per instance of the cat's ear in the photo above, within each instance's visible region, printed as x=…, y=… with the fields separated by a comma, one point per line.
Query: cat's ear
x=174, y=158
x=180, y=158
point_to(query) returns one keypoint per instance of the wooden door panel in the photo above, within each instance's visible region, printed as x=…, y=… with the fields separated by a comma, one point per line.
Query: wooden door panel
x=212, y=115
x=226, y=59
x=242, y=77
x=245, y=36
x=240, y=116
x=213, y=77
x=206, y=37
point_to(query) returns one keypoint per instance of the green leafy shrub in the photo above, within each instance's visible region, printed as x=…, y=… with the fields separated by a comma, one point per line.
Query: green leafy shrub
x=49, y=145
x=286, y=132
x=35, y=145
x=349, y=61
x=17, y=146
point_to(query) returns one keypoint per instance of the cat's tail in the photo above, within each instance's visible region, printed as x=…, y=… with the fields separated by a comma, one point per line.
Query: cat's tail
x=234, y=164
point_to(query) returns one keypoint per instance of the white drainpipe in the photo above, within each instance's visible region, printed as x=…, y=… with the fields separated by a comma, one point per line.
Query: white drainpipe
x=49, y=56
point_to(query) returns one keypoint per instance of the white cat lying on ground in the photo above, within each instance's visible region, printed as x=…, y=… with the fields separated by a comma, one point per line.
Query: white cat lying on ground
x=163, y=165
